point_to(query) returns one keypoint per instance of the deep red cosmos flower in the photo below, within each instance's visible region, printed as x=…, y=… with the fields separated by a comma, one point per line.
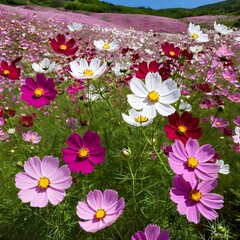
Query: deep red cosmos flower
x=61, y=46
x=83, y=152
x=182, y=127
x=40, y=92
x=170, y=50
x=26, y=121
x=10, y=70
x=144, y=69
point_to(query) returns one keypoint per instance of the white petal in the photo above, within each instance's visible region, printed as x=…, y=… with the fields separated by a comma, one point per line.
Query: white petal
x=164, y=109
x=136, y=101
x=153, y=81
x=138, y=87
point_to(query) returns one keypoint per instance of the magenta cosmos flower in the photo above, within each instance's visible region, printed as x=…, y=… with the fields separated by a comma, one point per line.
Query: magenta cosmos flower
x=83, y=152
x=191, y=160
x=43, y=181
x=195, y=198
x=101, y=210
x=40, y=92
x=152, y=232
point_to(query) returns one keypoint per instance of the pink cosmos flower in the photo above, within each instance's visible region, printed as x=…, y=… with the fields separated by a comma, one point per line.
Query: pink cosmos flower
x=151, y=232
x=83, y=152
x=40, y=92
x=218, y=122
x=236, y=137
x=191, y=161
x=43, y=181
x=234, y=97
x=237, y=121
x=100, y=210
x=31, y=136
x=195, y=198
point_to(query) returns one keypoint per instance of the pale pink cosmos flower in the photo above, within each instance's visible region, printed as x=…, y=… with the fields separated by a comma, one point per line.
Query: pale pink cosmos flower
x=151, y=232
x=100, y=210
x=43, y=181
x=234, y=97
x=237, y=121
x=31, y=136
x=191, y=160
x=218, y=122
x=236, y=137
x=230, y=76
x=194, y=198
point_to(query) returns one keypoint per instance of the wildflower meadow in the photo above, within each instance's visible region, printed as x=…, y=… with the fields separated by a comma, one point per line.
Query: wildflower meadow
x=117, y=134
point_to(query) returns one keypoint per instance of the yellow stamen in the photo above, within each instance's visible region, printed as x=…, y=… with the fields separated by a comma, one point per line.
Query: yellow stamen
x=38, y=92
x=192, y=162
x=141, y=119
x=100, y=214
x=153, y=96
x=31, y=139
x=182, y=129
x=88, y=72
x=195, y=195
x=63, y=47
x=172, y=53
x=83, y=152
x=6, y=72
x=194, y=35
x=106, y=46
x=43, y=183
x=218, y=123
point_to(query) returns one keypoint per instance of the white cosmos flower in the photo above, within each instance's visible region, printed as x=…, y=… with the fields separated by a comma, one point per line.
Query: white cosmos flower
x=185, y=106
x=44, y=66
x=237, y=39
x=75, y=27
x=106, y=46
x=153, y=96
x=224, y=168
x=194, y=31
x=92, y=93
x=80, y=69
x=121, y=68
x=138, y=119
x=236, y=138
x=196, y=49
x=222, y=29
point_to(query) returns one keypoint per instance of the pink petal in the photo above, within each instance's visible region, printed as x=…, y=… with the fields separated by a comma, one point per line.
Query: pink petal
x=212, y=200
x=118, y=208
x=110, y=198
x=84, y=211
x=40, y=200
x=75, y=141
x=179, y=150
x=33, y=167
x=192, y=146
x=27, y=195
x=49, y=166
x=193, y=214
x=61, y=178
x=207, y=186
x=152, y=231
x=207, y=212
x=24, y=181
x=205, y=153
x=55, y=196
x=69, y=155
x=92, y=225
x=84, y=166
x=95, y=199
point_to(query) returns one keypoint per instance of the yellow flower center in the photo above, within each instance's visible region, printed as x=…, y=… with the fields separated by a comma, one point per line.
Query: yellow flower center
x=106, y=46
x=43, y=183
x=141, y=119
x=218, y=123
x=182, y=129
x=100, y=214
x=172, y=53
x=63, y=47
x=6, y=72
x=192, y=162
x=31, y=139
x=153, y=96
x=195, y=195
x=228, y=77
x=38, y=92
x=88, y=72
x=83, y=152
x=194, y=35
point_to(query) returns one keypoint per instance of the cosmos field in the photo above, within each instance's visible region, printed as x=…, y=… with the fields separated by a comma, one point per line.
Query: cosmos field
x=111, y=133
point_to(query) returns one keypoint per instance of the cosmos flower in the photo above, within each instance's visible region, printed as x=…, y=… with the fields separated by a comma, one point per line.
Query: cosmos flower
x=43, y=181
x=236, y=137
x=44, y=66
x=191, y=161
x=144, y=69
x=100, y=210
x=83, y=152
x=26, y=121
x=106, y=45
x=40, y=92
x=224, y=168
x=194, y=198
x=60, y=45
x=234, y=97
x=31, y=136
x=72, y=122
x=10, y=70
x=155, y=96
x=222, y=29
x=218, y=122
x=137, y=119
x=184, y=106
x=237, y=121
x=170, y=50
x=151, y=232
x=75, y=26
x=196, y=34
x=82, y=70
x=182, y=127
x=237, y=39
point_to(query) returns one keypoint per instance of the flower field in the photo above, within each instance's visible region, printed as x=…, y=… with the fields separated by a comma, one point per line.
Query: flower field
x=111, y=133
